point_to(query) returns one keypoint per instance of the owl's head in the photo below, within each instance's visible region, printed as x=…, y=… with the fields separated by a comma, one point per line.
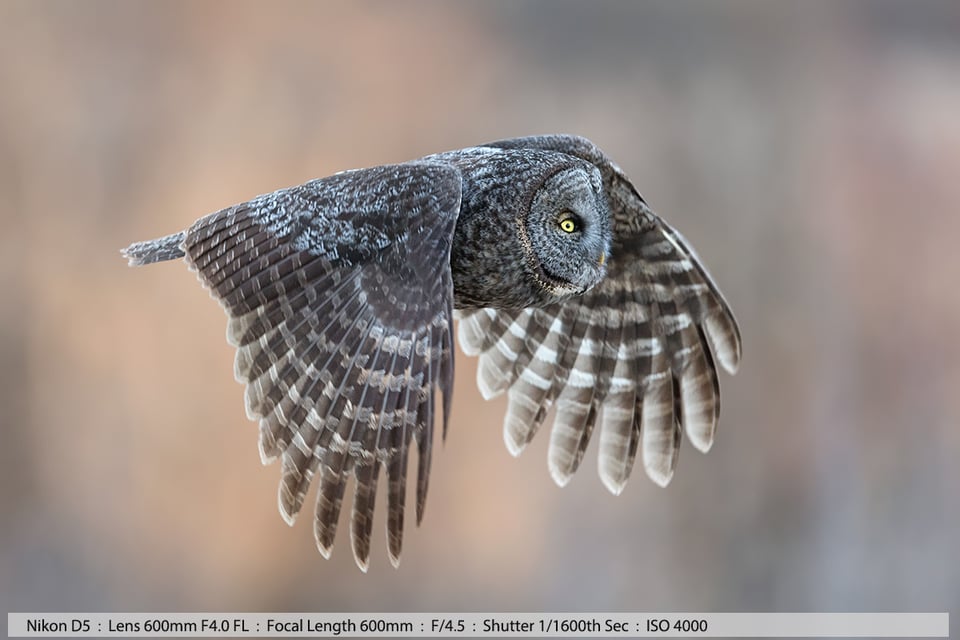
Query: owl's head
x=566, y=232
x=534, y=228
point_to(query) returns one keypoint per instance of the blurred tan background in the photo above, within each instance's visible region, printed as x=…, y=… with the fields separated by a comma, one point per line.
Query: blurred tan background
x=809, y=150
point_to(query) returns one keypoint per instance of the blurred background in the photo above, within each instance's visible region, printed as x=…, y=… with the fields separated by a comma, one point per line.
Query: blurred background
x=809, y=150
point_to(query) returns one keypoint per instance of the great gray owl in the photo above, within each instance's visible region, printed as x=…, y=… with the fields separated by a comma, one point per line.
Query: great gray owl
x=577, y=297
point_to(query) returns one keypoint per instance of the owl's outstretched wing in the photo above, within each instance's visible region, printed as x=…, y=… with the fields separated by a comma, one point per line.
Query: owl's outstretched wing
x=339, y=299
x=633, y=353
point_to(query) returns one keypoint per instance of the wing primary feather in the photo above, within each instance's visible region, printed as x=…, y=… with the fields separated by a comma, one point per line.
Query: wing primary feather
x=329, y=499
x=472, y=331
x=576, y=409
x=424, y=432
x=534, y=377
x=657, y=421
x=699, y=391
x=617, y=420
x=447, y=366
x=496, y=363
x=361, y=521
x=724, y=335
x=396, y=474
x=397, y=469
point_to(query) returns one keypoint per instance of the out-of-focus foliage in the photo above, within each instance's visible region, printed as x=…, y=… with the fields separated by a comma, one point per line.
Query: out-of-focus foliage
x=810, y=151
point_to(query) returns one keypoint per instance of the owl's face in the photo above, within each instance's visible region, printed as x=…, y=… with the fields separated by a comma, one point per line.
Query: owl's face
x=568, y=230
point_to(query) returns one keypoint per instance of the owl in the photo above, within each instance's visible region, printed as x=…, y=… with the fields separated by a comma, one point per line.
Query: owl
x=581, y=303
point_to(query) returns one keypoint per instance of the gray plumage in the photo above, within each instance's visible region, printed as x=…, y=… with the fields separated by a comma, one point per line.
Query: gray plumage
x=576, y=297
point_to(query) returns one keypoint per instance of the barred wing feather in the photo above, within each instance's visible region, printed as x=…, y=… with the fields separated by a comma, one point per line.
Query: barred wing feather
x=635, y=354
x=343, y=331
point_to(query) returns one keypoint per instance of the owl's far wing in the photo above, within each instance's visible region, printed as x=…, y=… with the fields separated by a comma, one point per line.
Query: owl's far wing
x=339, y=299
x=634, y=352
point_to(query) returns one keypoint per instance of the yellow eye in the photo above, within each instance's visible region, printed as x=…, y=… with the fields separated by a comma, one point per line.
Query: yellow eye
x=568, y=225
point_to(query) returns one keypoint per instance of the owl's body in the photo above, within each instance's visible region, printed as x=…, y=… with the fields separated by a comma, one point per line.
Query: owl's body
x=576, y=296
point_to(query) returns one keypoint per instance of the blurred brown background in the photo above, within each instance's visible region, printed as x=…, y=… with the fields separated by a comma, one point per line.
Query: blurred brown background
x=809, y=150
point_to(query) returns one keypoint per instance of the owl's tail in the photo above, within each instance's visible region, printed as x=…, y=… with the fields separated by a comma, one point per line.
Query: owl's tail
x=150, y=251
